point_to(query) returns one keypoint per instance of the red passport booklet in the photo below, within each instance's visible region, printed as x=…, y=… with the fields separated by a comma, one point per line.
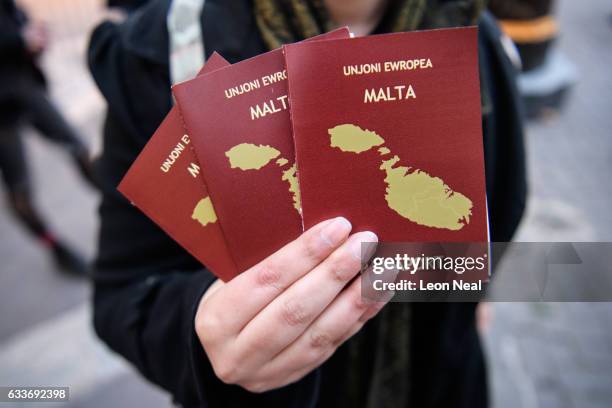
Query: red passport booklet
x=387, y=133
x=165, y=182
x=239, y=122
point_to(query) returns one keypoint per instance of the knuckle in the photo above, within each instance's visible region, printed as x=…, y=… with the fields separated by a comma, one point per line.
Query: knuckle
x=294, y=313
x=254, y=345
x=226, y=371
x=208, y=326
x=358, y=303
x=269, y=274
x=312, y=246
x=320, y=339
x=342, y=269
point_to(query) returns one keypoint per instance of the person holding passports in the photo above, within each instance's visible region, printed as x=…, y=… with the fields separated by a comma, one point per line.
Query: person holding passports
x=293, y=330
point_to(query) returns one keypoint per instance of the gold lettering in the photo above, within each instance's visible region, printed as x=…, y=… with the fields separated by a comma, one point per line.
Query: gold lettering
x=272, y=106
x=389, y=94
x=193, y=169
x=274, y=78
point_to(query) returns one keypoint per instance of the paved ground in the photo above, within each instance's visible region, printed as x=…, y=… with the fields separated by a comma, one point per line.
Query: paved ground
x=541, y=355
x=560, y=354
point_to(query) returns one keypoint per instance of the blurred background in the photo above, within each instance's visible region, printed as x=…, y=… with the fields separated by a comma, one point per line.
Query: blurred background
x=540, y=354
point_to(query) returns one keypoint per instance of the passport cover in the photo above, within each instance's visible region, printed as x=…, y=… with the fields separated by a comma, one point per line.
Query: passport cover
x=387, y=133
x=239, y=122
x=165, y=182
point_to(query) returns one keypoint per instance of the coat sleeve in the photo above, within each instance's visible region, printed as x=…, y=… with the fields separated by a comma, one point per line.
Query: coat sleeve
x=11, y=40
x=11, y=43
x=503, y=130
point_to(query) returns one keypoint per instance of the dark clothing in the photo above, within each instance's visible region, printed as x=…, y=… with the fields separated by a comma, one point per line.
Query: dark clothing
x=520, y=9
x=37, y=109
x=128, y=5
x=502, y=126
x=147, y=288
x=16, y=62
x=13, y=166
x=23, y=98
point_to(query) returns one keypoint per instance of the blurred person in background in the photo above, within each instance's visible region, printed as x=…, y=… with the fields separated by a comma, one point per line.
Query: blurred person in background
x=185, y=330
x=24, y=99
x=546, y=74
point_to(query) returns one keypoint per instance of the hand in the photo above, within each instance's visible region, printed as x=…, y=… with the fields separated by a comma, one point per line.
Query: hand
x=35, y=37
x=279, y=320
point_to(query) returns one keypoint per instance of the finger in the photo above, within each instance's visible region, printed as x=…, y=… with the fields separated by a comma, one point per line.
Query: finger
x=266, y=380
x=372, y=283
x=248, y=293
x=296, y=359
x=324, y=334
x=265, y=384
x=293, y=311
x=212, y=289
x=324, y=354
x=343, y=316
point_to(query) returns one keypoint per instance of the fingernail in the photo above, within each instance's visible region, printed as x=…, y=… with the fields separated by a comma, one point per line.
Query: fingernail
x=336, y=231
x=363, y=245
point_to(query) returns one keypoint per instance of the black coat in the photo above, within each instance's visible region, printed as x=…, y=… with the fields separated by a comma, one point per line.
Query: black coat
x=16, y=63
x=147, y=288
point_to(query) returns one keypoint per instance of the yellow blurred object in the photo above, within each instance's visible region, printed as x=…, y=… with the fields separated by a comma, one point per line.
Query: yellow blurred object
x=531, y=31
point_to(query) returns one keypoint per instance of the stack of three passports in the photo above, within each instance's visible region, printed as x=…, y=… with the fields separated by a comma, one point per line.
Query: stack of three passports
x=384, y=130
